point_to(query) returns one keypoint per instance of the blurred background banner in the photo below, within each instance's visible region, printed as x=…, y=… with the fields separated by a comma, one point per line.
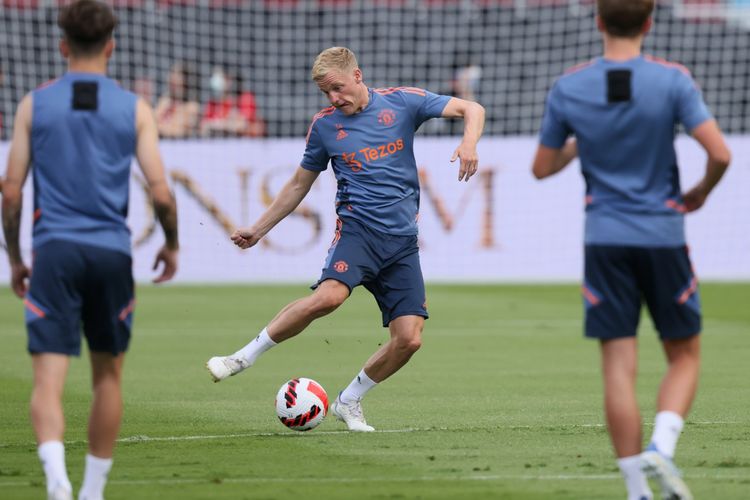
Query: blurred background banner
x=503, y=225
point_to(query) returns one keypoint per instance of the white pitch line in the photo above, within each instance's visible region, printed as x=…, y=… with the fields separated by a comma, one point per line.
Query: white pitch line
x=139, y=439
x=207, y=437
x=349, y=480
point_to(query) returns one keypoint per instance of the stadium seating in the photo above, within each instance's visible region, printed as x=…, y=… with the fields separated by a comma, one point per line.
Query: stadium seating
x=519, y=46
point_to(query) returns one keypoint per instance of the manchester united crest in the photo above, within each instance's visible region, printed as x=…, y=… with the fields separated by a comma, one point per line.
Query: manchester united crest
x=387, y=117
x=341, y=266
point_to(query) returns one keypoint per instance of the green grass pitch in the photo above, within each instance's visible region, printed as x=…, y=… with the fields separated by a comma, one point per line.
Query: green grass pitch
x=503, y=401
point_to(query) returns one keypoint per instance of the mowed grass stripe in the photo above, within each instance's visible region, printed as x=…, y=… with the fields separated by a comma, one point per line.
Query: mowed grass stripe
x=369, y=479
x=312, y=434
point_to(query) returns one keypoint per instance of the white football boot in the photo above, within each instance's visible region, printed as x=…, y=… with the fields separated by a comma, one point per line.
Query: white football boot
x=82, y=497
x=60, y=493
x=351, y=414
x=222, y=367
x=661, y=468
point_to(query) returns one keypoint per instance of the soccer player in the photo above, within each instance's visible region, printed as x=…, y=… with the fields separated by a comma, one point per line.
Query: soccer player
x=79, y=134
x=622, y=109
x=368, y=135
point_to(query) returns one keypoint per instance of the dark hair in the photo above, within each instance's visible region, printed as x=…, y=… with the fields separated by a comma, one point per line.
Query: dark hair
x=624, y=18
x=87, y=25
x=239, y=83
x=189, y=80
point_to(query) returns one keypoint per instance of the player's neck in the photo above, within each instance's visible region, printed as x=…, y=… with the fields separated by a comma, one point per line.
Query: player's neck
x=88, y=65
x=364, y=98
x=622, y=49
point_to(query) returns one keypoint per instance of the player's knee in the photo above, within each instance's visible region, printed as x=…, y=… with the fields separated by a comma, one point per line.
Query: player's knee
x=106, y=381
x=325, y=303
x=413, y=345
x=683, y=350
x=410, y=343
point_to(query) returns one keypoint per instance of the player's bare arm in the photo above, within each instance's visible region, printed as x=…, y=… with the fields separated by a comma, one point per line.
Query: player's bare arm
x=17, y=170
x=710, y=137
x=473, y=115
x=149, y=159
x=549, y=161
x=291, y=195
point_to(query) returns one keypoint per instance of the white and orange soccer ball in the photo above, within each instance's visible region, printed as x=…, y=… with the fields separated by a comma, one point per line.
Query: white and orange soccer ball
x=301, y=404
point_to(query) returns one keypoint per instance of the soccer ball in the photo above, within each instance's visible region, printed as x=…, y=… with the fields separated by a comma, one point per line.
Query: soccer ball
x=301, y=404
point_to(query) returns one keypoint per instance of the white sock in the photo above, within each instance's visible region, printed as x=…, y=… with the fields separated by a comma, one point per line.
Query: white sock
x=52, y=456
x=635, y=478
x=255, y=348
x=667, y=429
x=94, y=478
x=357, y=389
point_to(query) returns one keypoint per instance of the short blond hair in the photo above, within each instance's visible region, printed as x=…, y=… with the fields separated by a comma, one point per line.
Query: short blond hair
x=333, y=59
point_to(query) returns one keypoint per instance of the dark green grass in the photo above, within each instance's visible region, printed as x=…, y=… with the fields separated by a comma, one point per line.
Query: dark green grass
x=503, y=401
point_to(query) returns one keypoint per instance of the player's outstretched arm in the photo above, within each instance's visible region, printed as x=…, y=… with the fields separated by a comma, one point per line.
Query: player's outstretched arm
x=709, y=136
x=549, y=161
x=291, y=195
x=149, y=158
x=473, y=115
x=17, y=170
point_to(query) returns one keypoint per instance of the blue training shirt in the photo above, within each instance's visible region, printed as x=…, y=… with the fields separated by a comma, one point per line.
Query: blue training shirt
x=626, y=148
x=81, y=163
x=372, y=156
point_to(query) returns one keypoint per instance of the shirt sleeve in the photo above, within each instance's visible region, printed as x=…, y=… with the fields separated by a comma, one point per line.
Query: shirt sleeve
x=424, y=104
x=555, y=130
x=315, y=157
x=691, y=109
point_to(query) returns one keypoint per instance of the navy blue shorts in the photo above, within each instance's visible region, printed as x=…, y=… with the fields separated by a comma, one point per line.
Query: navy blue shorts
x=387, y=265
x=74, y=286
x=618, y=279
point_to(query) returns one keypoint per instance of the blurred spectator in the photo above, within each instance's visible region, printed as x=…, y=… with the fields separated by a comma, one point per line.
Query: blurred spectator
x=2, y=131
x=464, y=85
x=144, y=87
x=3, y=99
x=231, y=111
x=177, y=111
x=466, y=81
x=740, y=12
